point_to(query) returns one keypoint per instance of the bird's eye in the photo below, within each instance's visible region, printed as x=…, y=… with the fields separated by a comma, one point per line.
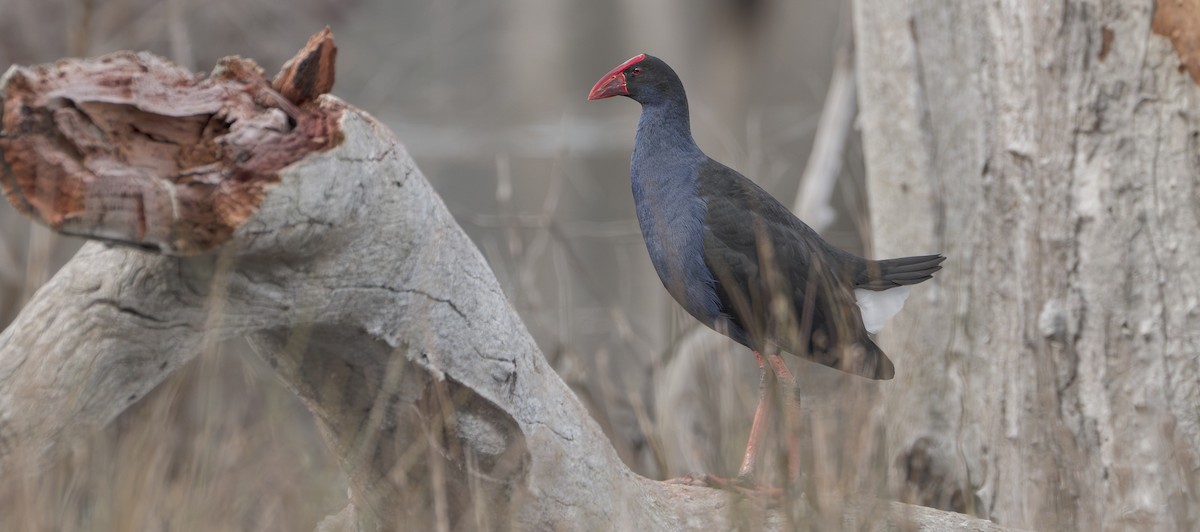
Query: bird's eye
x=637, y=70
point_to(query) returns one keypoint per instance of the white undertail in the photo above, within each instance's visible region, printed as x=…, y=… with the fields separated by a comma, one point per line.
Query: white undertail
x=877, y=306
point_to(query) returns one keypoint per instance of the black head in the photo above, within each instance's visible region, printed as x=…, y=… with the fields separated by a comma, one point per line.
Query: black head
x=645, y=78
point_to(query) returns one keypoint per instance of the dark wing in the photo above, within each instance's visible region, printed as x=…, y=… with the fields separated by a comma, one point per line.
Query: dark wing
x=758, y=251
x=890, y=273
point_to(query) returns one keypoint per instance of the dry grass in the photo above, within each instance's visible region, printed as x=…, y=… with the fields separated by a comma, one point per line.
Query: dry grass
x=222, y=446
x=219, y=446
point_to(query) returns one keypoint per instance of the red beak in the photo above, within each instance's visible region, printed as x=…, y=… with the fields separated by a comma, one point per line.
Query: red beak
x=613, y=83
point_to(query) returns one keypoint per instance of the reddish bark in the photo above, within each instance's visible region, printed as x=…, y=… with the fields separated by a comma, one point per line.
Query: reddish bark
x=131, y=148
x=1179, y=20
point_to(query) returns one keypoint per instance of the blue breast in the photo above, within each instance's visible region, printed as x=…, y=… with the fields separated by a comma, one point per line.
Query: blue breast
x=671, y=215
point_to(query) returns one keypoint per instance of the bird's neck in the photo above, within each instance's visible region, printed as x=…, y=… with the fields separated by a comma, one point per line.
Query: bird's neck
x=665, y=130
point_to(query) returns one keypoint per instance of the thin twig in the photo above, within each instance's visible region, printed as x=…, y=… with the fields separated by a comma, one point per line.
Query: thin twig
x=825, y=162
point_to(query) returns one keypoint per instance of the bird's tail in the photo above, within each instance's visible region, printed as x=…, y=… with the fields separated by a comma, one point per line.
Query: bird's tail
x=882, y=286
x=904, y=271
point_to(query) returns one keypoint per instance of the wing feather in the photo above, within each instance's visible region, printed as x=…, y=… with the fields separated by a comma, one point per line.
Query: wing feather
x=779, y=283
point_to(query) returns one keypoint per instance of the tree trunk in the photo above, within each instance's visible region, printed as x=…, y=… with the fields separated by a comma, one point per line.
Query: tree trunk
x=240, y=207
x=1051, y=151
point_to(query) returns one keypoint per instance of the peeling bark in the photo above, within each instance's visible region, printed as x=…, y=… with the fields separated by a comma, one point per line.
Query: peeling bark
x=311, y=73
x=132, y=148
x=1179, y=21
x=1052, y=374
x=343, y=268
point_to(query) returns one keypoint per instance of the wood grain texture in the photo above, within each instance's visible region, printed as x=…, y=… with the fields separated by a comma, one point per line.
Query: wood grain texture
x=131, y=148
x=1049, y=380
x=311, y=72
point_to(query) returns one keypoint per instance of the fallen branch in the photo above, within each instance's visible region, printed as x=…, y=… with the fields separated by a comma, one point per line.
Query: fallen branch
x=227, y=206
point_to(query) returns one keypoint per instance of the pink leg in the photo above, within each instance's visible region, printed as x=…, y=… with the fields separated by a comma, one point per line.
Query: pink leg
x=761, y=414
x=745, y=481
x=791, y=407
x=780, y=369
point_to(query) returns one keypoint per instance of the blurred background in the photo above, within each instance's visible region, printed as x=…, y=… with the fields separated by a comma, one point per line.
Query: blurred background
x=490, y=100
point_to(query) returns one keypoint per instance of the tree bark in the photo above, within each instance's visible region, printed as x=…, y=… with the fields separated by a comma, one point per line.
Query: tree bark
x=230, y=206
x=1051, y=152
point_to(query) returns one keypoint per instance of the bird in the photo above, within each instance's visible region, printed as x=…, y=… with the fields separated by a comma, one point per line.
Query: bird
x=741, y=263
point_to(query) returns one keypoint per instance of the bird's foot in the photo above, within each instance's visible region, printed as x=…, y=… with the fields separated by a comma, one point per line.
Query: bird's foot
x=741, y=485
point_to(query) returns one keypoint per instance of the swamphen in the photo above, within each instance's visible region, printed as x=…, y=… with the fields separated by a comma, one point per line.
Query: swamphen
x=739, y=261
